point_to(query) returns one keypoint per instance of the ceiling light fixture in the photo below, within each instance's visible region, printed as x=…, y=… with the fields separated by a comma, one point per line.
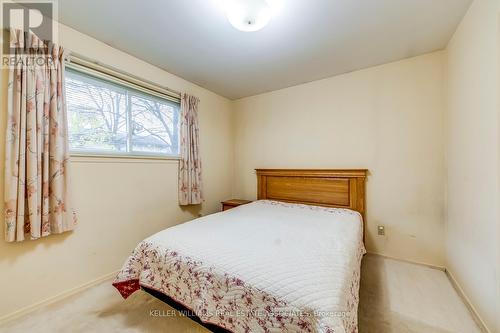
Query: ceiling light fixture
x=250, y=15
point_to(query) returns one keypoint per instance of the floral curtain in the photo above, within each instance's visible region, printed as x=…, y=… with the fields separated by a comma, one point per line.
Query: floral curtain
x=37, y=197
x=190, y=184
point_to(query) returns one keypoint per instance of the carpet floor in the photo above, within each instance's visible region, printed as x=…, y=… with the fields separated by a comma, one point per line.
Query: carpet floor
x=395, y=297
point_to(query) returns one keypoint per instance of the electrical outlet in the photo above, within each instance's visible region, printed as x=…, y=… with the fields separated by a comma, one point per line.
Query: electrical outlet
x=381, y=230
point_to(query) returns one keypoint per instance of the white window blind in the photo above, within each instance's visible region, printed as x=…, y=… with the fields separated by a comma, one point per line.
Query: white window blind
x=109, y=116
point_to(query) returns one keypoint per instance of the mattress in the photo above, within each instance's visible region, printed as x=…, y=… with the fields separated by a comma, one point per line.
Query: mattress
x=263, y=267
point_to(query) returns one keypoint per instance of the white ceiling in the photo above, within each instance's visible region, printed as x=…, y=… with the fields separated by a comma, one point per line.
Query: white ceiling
x=307, y=41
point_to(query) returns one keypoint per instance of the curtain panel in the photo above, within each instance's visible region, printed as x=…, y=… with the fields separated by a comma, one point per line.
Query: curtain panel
x=190, y=180
x=37, y=193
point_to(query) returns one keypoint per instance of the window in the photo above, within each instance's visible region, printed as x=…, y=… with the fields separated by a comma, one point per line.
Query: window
x=106, y=117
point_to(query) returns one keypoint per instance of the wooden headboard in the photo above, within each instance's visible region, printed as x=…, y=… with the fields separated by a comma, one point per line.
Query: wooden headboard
x=331, y=188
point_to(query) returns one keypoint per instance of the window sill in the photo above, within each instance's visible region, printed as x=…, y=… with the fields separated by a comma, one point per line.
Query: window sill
x=116, y=158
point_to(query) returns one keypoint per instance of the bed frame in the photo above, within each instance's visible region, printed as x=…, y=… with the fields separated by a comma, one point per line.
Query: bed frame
x=321, y=187
x=185, y=311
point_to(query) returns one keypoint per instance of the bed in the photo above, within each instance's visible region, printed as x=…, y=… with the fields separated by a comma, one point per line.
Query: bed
x=288, y=262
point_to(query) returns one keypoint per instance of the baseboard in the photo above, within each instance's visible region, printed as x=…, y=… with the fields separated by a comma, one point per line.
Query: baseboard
x=30, y=308
x=441, y=268
x=477, y=318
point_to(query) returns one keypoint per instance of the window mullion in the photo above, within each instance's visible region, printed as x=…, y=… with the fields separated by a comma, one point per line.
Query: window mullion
x=129, y=122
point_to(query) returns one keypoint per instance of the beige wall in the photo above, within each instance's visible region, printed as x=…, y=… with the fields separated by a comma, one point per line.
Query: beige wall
x=473, y=232
x=119, y=202
x=388, y=119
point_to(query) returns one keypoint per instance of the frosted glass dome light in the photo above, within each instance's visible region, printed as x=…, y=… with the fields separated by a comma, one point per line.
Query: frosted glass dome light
x=249, y=15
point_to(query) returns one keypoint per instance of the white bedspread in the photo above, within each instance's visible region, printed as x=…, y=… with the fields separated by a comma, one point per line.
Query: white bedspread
x=262, y=267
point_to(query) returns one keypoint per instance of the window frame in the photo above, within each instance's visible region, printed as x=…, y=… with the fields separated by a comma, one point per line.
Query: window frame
x=134, y=87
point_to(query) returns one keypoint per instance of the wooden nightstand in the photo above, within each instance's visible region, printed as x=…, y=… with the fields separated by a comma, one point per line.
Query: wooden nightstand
x=228, y=204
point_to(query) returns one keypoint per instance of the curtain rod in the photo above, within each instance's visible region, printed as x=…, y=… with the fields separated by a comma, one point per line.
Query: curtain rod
x=78, y=58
